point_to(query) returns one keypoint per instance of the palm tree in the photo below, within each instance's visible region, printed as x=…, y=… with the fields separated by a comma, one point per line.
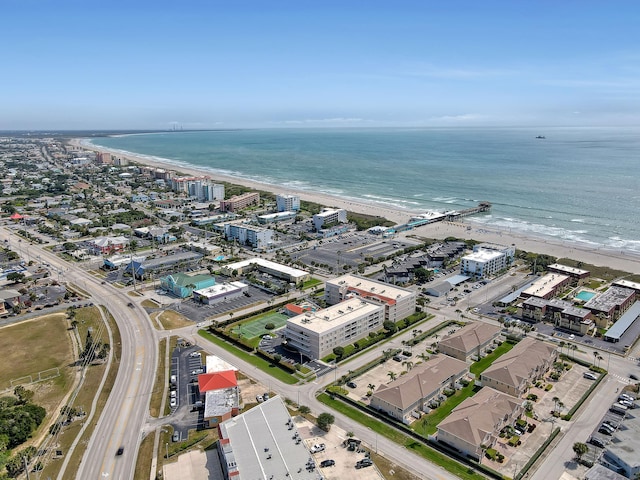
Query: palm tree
x=392, y=375
x=371, y=386
x=555, y=403
x=562, y=344
x=408, y=364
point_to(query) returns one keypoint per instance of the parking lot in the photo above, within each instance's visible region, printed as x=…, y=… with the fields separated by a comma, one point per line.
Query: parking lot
x=186, y=364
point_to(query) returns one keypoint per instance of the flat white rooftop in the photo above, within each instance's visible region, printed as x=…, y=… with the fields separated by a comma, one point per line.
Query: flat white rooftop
x=370, y=286
x=335, y=316
x=291, y=272
x=546, y=284
x=220, y=288
x=483, y=256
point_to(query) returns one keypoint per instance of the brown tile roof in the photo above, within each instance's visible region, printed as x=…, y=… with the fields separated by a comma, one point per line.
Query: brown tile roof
x=421, y=381
x=520, y=363
x=479, y=416
x=470, y=336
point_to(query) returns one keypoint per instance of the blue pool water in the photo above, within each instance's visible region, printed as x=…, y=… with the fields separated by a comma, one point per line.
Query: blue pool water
x=585, y=296
x=219, y=258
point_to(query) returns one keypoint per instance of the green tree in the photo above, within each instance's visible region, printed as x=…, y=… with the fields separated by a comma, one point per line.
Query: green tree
x=325, y=420
x=15, y=277
x=392, y=375
x=390, y=327
x=580, y=449
x=24, y=395
x=338, y=351
x=303, y=409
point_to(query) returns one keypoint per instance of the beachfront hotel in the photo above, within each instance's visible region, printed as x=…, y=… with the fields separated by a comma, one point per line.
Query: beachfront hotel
x=316, y=334
x=257, y=237
x=329, y=217
x=398, y=302
x=547, y=287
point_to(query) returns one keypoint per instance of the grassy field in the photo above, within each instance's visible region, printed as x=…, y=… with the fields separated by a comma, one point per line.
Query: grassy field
x=481, y=365
x=428, y=424
x=87, y=318
x=145, y=456
x=171, y=320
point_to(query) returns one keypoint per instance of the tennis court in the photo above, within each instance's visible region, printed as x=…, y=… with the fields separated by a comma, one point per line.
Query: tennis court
x=255, y=328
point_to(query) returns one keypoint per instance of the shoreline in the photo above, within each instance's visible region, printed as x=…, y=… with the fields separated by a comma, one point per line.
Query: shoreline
x=600, y=256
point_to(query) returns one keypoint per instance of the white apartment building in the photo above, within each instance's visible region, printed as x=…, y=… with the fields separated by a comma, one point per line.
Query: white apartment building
x=398, y=302
x=328, y=217
x=316, y=334
x=257, y=237
x=483, y=263
x=286, y=203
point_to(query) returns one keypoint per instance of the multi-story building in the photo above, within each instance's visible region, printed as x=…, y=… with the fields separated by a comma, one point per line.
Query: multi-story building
x=525, y=363
x=470, y=341
x=476, y=423
x=547, y=286
x=329, y=217
x=576, y=274
x=564, y=314
x=398, y=302
x=201, y=188
x=413, y=392
x=256, y=237
x=240, y=202
x=316, y=334
x=608, y=306
x=482, y=263
x=287, y=203
x=103, y=158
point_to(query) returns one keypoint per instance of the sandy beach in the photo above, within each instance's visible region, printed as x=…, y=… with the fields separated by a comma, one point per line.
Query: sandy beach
x=617, y=259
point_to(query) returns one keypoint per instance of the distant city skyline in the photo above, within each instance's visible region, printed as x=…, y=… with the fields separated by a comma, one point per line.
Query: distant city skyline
x=248, y=64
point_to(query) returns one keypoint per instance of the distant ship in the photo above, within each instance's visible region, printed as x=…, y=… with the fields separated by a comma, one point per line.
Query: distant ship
x=541, y=137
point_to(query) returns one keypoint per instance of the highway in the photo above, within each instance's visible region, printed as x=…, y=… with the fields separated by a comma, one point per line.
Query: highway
x=127, y=408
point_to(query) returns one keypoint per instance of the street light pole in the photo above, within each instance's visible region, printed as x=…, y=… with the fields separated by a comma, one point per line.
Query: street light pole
x=166, y=447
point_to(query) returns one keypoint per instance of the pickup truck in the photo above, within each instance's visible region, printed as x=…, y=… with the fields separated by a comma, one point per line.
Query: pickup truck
x=318, y=447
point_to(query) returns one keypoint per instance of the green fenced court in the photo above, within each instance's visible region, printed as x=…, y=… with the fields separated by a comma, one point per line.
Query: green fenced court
x=255, y=328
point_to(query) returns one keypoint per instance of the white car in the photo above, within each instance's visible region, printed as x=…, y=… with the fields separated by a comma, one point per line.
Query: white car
x=318, y=447
x=173, y=403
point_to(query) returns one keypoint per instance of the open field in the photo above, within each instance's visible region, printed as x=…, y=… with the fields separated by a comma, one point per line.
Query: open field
x=171, y=320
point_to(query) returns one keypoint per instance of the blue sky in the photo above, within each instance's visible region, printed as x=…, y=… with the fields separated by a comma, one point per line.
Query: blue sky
x=233, y=64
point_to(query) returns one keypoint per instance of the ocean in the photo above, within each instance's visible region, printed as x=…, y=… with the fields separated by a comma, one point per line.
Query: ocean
x=577, y=185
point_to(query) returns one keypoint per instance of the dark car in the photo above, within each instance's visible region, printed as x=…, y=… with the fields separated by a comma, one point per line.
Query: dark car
x=633, y=377
x=130, y=305
x=596, y=441
x=604, y=431
x=120, y=451
x=327, y=463
x=351, y=384
x=365, y=462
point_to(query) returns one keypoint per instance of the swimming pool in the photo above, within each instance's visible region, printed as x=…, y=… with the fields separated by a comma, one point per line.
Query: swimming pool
x=585, y=296
x=219, y=258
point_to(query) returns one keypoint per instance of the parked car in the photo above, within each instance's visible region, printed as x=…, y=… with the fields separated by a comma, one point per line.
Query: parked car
x=194, y=354
x=397, y=358
x=365, y=462
x=318, y=447
x=351, y=384
x=265, y=397
x=629, y=398
x=259, y=399
x=608, y=427
x=597, y=442
x=327, y=463
x=633, y=377
x=604, y=431
x=589, y=376
x=173, y=402
x=175, y=437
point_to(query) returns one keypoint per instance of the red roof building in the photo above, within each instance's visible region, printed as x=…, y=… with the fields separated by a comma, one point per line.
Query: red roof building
x=217, y=381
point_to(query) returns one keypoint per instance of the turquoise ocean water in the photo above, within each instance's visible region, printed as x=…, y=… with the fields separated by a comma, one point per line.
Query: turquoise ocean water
x=576, y=185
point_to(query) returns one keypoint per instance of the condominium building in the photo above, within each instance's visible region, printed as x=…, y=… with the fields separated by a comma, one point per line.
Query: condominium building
x=201, y=188
x=483, y=263
x=576, y=274
x=525, y=363
x=240, y=202
x=564, y=314
x=256, y=237
x=316, y=334
x=398, y=302
x=329, y=217
x=610, y=305
x=547, y=286
x=470, y=341
x=413, y=392
x=286, y=203
x=476, y=423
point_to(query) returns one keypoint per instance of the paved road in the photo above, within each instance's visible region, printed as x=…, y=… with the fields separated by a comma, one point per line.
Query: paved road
x=127, y=407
